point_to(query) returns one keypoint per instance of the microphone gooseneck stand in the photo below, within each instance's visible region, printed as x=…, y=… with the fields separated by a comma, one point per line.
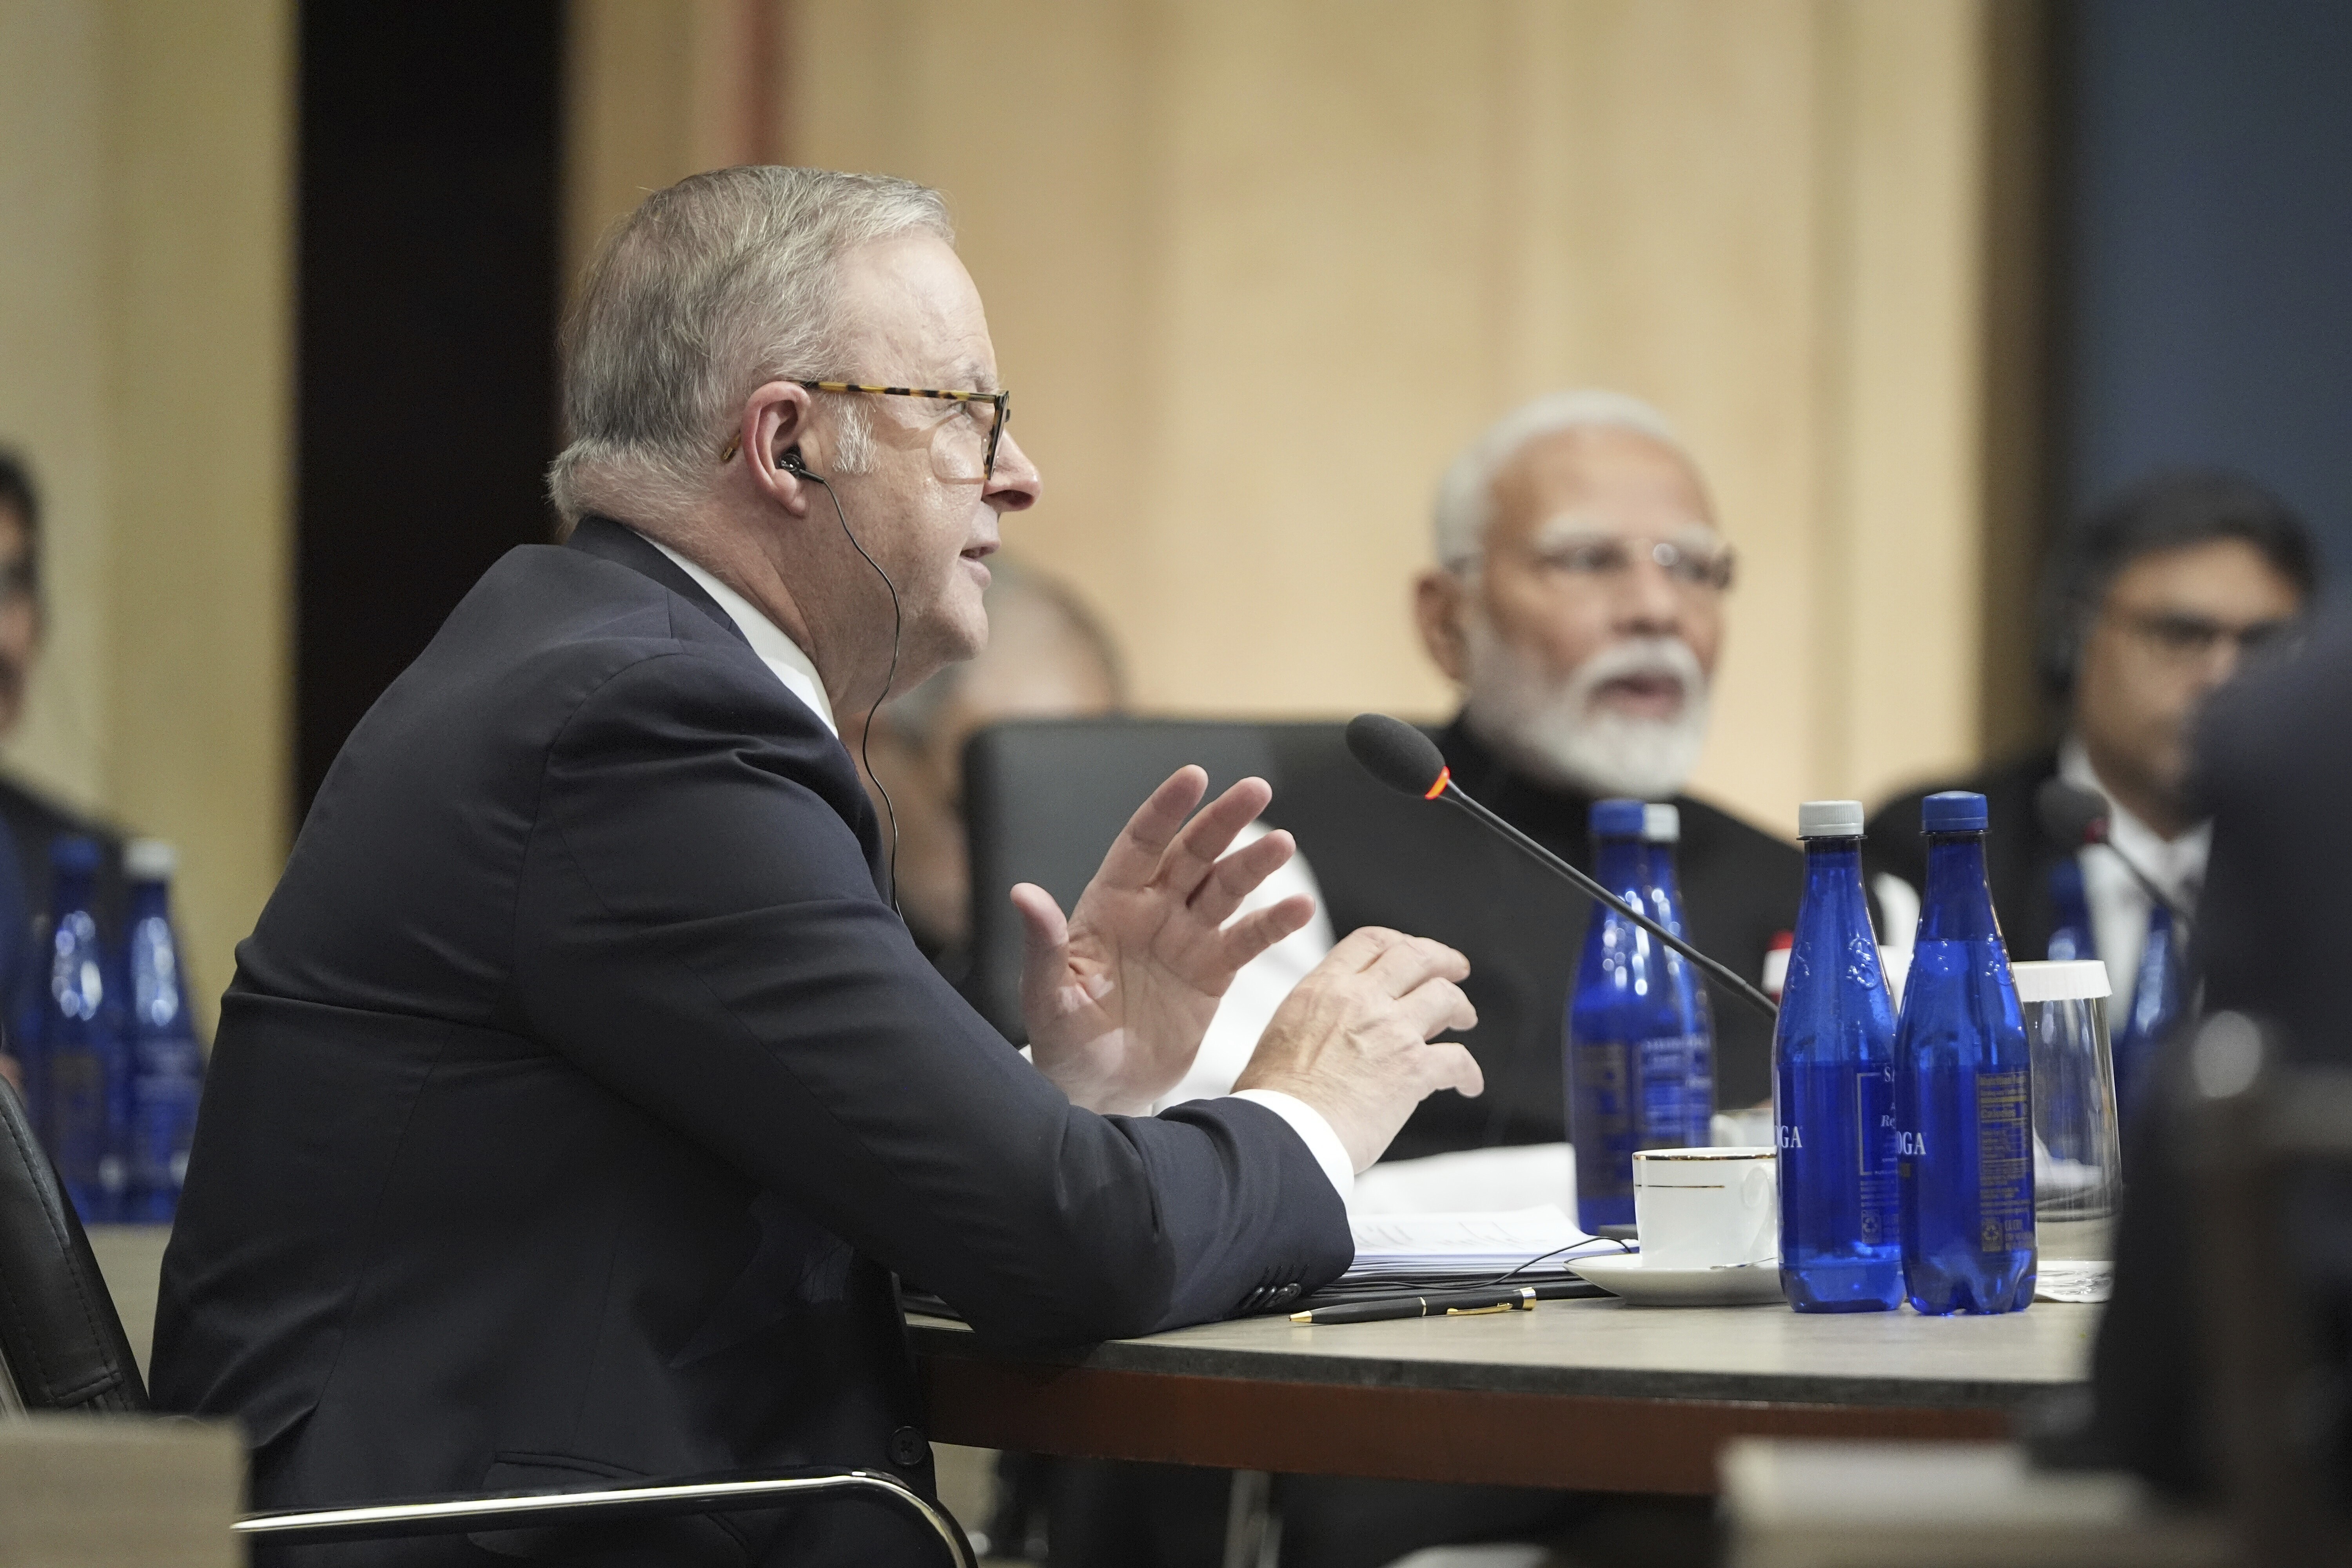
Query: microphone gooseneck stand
x=1405, y=759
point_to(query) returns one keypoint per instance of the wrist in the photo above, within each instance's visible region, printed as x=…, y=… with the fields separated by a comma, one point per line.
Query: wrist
x=1088, y=1089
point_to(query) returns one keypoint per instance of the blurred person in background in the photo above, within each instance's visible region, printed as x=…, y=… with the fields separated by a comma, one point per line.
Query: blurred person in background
x=32, y=820
x=2273, y=765
x=1577, y=603
x=1049, y=657
x=2147, y=607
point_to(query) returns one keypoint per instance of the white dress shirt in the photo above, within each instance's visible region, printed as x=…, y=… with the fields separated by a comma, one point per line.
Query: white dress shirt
x=791, y=666
x=2119, y=906
x=776, y=650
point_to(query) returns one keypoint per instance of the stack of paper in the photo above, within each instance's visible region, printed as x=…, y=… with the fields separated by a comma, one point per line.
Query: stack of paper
x=1402, y=1249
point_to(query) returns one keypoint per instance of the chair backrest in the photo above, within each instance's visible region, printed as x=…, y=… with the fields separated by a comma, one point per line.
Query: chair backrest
x=62, y=1344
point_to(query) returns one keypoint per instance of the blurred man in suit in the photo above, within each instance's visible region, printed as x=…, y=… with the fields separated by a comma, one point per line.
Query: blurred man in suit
x=2275, y=767
x=2147, y=607
x=1048, y=657
x=581, y=1097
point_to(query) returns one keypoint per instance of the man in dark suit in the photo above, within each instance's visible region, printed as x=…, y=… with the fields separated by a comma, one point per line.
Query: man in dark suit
x=2147, y=607
x=580, y=1099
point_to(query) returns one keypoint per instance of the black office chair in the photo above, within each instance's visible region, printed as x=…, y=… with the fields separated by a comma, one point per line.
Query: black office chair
x=62, y=1348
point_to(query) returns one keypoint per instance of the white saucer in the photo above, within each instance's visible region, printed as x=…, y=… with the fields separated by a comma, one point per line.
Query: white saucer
x=1622, y=1273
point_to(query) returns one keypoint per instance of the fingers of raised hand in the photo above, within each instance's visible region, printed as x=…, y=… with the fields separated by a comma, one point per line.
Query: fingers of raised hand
x=1193, y=856
x=1261, y=928
x=1045, y=938
x=1136, y=854
x=1238, y=875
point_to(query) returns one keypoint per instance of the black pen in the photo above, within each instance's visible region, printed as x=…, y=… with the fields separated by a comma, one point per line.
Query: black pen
x=1441, y=1304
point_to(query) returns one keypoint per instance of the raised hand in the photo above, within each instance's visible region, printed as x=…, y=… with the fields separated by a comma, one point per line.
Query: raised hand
x=1117, y=996
x=1354, y=1039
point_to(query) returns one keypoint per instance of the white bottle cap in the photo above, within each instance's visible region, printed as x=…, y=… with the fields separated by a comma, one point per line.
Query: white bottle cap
x=150, y=860
x=1662, y=824
x=2061, y=980
x=1830, y=819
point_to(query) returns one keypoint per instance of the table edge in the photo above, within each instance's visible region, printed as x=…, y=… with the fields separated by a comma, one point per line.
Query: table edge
x=951, y=1340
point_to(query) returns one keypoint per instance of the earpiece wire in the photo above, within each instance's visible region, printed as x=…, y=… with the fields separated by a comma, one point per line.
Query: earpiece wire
x=866, y=736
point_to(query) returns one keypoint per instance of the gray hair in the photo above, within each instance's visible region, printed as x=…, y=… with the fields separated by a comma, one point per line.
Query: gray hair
x=1466, y=496
x=714, y=286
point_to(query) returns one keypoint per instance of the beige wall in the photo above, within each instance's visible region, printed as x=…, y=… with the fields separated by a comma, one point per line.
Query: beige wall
x=144, y=304
x=1255, y=270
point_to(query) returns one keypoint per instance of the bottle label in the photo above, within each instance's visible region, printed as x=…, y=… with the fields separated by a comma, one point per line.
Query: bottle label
x=2004, y=1161
x=1876, y=1144
x=1601, y=1118
x=1667, y=1106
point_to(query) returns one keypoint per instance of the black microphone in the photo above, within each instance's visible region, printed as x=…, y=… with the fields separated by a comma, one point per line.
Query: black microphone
x=2074, y=818
x=1406, y=760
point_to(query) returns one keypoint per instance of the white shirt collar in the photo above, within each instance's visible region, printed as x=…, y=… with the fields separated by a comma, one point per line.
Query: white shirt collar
x=2118, y=907
x=2179, y=864
x=776, y=650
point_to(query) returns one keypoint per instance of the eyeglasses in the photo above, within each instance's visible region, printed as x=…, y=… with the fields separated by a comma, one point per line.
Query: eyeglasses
x=2179, y=638
x=1609, y=557
x=964, y=449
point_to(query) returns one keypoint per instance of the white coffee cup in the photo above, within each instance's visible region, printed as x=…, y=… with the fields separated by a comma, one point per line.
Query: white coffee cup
x=1707, y=1208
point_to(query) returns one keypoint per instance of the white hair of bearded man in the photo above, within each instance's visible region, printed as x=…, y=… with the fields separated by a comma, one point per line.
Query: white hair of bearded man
x=1551, y=727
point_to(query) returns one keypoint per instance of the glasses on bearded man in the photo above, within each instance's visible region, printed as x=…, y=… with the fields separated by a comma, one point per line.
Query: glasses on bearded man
x=1695, y=564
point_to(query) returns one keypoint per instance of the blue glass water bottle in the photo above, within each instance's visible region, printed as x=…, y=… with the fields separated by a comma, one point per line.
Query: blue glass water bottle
x=1662, y=829
x=2156, y=1005
x=167, y=1065
x=84, y=1072
x=1833, y=1086
x=1628, y=1067
x=1963, y=1087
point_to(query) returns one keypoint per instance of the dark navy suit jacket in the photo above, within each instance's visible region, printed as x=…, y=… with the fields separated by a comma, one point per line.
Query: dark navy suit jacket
x=579, y=1098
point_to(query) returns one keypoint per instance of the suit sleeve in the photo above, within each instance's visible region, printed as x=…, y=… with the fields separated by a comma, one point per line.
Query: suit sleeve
x=696, y=928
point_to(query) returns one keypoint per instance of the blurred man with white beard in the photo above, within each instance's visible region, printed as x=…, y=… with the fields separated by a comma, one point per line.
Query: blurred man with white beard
x=1577, y=602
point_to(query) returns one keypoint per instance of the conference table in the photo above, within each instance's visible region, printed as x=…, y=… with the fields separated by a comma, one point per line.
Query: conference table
x=1593, y=1395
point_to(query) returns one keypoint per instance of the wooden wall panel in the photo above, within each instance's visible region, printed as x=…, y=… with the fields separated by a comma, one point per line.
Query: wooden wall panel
x=1257, y=271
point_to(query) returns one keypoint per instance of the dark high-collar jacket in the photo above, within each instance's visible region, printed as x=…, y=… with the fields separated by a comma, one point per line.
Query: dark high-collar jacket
x=1523, y=930
x=578, y=1098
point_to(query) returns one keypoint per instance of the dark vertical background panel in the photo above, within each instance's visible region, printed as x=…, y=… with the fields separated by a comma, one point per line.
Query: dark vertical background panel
x=428, y=276
x=2207, y=284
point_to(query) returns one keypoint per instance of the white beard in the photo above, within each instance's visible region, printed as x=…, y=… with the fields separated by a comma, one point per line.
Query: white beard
x=1552, y=728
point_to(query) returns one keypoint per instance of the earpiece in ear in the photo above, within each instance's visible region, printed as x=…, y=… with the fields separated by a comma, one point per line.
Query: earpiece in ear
x=791, y=463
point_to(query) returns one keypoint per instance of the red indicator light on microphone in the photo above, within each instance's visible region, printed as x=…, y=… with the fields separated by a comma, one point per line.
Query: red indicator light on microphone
x=1444, y=777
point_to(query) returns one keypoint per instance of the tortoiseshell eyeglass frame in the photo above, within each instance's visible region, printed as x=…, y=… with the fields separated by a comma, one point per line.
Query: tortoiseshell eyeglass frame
x=1003, y=401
